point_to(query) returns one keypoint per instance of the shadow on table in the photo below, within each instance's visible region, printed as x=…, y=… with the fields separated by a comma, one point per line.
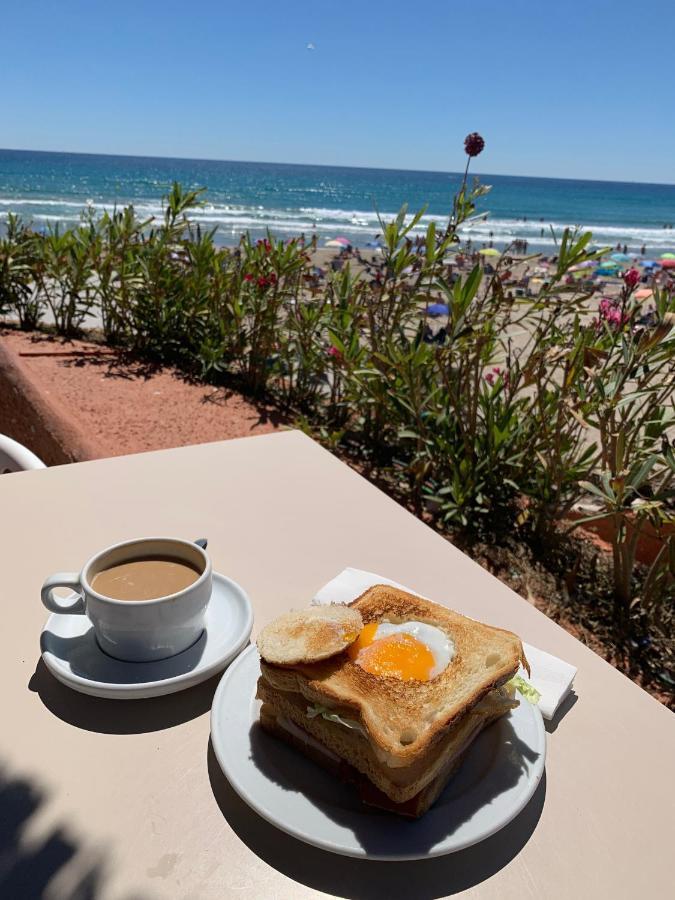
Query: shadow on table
x=49, y=865
x=349, y=877
x=121, y=716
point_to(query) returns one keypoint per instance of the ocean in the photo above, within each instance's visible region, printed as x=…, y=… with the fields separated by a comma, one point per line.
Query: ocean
x=332, y=201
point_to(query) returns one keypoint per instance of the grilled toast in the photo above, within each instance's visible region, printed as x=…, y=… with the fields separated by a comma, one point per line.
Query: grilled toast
x=413, y=807
x=400, y=783
x=405, y=719
x=309, y=635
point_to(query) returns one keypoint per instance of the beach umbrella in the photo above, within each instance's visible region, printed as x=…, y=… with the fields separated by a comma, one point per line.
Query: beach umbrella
x=375, y=244
x=437, y=309
x=489, y=251
x=343, y=240
x=649, y=264
x=334, y=244
x=668, y=256
x=668, y=263
x=643, y=293
x=621, y=257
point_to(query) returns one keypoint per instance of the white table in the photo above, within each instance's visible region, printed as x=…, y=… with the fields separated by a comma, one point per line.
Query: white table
x=128, y=794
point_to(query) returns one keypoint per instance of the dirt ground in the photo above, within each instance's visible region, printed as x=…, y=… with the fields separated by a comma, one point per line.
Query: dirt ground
x=129, y=407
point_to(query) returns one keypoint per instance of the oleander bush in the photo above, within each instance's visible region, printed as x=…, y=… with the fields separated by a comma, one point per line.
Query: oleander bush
x=519, y=409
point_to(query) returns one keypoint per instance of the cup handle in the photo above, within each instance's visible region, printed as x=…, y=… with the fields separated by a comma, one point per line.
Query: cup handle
x=67, y=580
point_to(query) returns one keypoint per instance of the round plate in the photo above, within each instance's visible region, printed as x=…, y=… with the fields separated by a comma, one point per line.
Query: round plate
x=496, y=780
x=73, y=656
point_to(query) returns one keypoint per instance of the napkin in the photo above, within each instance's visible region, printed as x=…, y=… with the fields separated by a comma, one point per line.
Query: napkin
x=551, y=676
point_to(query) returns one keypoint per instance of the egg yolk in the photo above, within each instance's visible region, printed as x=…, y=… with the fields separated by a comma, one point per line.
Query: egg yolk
x=397, y=656
x=365, y=639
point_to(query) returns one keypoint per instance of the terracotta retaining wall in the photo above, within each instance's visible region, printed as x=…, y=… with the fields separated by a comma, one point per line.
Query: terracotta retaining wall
x=649, y=543
x=35, y=420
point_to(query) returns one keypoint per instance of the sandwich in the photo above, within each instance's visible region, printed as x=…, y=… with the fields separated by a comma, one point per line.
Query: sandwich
x=387, y=693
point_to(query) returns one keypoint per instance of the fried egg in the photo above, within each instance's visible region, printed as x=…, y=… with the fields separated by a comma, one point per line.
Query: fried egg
x=410, y=651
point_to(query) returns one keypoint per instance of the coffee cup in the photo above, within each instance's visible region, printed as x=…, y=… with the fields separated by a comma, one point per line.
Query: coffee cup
x=145, y=598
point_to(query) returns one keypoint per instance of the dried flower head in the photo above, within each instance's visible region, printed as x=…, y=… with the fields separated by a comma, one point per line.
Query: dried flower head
x=473, y=144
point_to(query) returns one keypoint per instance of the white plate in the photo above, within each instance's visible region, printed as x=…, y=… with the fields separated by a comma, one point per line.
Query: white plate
x=497, y=779
x=73, y=656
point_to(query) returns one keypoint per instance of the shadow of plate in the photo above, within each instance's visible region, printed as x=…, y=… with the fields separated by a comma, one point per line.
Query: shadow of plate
x=352, y=877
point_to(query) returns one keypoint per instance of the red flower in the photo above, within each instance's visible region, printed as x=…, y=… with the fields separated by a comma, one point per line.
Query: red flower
x=335, y=353
x=248, y=277
x=631, y=278
x=272, y=278
x=473, y=144
x=262, y=281
x=266, y=244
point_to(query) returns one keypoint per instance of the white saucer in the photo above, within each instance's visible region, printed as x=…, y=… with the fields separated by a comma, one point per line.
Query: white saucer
x=494, y=783
x=73, y=656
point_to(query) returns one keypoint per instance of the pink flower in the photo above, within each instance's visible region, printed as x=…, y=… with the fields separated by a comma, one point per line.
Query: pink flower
x=266, y=244
x=248, y=277
x=631, y=278
x=610, y=312
x=335, y=353
x=496, y=373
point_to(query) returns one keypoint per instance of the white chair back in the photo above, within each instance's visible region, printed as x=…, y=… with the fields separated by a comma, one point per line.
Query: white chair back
x=14, y=457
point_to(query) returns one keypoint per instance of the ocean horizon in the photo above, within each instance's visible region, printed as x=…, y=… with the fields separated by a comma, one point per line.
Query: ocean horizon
x=288, y=199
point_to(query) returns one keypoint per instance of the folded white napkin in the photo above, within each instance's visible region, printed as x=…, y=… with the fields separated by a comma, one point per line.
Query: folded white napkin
x=549, y=675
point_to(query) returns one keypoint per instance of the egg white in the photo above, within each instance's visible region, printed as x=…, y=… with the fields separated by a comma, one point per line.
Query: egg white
x=441, y=646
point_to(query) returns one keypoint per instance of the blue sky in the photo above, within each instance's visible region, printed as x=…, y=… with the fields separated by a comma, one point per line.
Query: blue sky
x=570, y=90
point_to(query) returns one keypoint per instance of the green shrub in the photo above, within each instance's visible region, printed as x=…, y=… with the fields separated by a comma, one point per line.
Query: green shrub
x=18, y=290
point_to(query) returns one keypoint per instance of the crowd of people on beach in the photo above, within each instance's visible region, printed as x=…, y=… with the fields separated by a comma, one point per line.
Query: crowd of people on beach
x=521, y=277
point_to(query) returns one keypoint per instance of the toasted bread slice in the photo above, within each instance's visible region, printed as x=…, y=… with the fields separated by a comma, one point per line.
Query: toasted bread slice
x=309, y=635
x=414, y=807
x=403, y=719
x=400, y=784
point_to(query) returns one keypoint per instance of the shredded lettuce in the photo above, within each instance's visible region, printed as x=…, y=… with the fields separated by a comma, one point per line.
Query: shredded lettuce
x=324, y=711
x=530, y=693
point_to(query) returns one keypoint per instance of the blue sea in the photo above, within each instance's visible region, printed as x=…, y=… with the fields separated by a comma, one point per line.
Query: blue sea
x=332, y=201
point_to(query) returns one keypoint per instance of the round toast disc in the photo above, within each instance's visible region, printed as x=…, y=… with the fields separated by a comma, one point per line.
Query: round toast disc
x=309, y=635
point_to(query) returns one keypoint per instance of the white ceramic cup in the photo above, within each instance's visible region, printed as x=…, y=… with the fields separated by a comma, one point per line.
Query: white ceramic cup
x=142, y=630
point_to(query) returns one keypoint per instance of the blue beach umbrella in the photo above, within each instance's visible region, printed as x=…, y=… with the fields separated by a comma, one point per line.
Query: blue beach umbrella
x=374, y=244
x=621, y=257
x=438, y=309
x=649, y=264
